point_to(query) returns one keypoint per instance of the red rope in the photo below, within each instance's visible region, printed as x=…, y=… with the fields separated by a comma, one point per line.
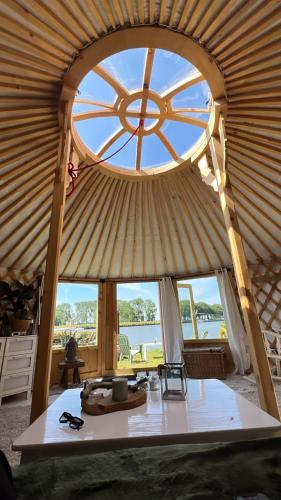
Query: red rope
x=72, y=170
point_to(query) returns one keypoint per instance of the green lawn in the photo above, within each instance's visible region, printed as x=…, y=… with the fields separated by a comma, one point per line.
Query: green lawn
x=154, y=358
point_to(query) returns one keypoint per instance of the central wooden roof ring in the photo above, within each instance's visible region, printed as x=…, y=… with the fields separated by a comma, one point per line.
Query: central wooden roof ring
x=134, y=38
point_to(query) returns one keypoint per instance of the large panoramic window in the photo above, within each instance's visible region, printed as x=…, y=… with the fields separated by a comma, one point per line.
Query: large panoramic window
x=201, y=309
x=76, y=314
x=140, y=339
x=154, y=91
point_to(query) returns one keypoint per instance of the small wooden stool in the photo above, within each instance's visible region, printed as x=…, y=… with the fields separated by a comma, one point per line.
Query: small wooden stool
x=67, y=365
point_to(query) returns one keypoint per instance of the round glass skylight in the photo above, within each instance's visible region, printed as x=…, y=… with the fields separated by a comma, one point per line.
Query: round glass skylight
x=158, y=91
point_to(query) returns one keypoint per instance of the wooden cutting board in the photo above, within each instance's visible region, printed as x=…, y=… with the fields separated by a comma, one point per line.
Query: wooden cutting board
x=106, y=405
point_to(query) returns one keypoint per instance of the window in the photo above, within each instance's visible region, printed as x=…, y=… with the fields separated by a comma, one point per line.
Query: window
x=140, y=338
x=76, y=314
x=157, y=95
x=201, y=309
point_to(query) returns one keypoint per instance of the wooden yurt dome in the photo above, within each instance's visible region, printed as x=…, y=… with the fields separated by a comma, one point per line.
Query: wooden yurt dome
x=144, y=223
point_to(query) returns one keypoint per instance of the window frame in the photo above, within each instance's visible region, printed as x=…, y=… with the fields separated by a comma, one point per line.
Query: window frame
x=196, y=337
x=192, y=309
x=94, y=346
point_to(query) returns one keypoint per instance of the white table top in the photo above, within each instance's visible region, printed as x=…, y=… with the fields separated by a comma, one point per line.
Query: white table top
x=212, y=412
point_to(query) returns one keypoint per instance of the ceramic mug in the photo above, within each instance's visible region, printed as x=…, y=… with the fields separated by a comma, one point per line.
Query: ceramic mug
x=119, y=389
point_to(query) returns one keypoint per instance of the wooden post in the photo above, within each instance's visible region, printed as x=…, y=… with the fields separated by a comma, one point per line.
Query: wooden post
x=192, y=309
x=193, y=313
x=176, y=287
x=108, y=327
x=253, y=329
x=44, y=351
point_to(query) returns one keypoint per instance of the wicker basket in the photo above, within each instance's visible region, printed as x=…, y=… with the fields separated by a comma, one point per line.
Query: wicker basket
x=204, y=362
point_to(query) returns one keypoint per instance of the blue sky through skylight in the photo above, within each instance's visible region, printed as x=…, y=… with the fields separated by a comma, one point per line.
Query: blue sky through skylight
x=127, y=68
x=168, y=69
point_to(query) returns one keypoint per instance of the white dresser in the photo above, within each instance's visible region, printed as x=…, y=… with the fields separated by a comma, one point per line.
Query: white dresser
x=17, y=355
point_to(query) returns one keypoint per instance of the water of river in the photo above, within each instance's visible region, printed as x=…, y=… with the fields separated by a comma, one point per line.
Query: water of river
x=152, y=333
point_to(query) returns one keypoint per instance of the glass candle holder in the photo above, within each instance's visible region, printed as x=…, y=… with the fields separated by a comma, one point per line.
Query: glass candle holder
x=173, y=381
x=154, y=382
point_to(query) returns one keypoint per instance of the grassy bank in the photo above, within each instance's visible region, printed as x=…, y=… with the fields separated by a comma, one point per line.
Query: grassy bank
x=88, y=326
x=154, y=358
x=147, y=323
x=139, y=323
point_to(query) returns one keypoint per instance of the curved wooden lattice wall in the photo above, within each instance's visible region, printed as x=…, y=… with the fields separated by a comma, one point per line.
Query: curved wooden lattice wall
x=266, y=278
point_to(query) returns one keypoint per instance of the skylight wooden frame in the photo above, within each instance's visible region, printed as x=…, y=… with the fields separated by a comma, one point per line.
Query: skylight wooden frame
x=155, y=37
x=121, y=109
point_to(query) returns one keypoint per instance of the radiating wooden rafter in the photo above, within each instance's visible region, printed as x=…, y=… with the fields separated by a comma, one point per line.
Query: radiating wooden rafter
x=167, y=145
x=182, y=85
x=115, y=136
x=119, y=89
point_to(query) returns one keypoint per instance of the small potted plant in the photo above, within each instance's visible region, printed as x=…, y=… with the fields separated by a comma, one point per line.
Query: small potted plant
x=18, y=303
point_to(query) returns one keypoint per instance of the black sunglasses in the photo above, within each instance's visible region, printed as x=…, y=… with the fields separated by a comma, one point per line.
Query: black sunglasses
x=74, y=422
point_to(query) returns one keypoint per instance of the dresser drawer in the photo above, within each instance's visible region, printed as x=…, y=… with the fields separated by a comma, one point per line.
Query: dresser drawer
x=2, y=346
x=17, y=364
x=12, y=384
x=20, y=345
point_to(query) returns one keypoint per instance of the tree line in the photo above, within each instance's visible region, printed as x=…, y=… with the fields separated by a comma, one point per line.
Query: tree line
x=130, y=311
x=202, y=310
x=136, y=310
x=80, y=313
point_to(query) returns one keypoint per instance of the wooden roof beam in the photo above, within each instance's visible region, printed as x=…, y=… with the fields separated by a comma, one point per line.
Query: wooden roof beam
x=253, y=328
x=119, y=89
x=44, y=351
x=146, y=81
x=183, y=85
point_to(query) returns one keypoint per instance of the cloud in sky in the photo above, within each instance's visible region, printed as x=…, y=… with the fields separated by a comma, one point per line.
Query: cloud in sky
x=204, y=290
x=76, y=292
x=133, y=286
x=127, y=291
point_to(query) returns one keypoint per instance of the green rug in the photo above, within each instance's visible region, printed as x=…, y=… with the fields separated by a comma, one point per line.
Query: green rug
x=182, y=472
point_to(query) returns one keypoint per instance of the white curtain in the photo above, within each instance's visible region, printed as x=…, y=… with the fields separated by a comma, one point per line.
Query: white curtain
x=170, y=322
x=235, y=329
